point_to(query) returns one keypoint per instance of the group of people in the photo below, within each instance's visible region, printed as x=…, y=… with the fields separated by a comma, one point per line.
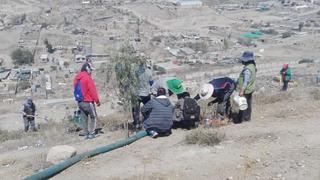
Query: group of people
x=159, y=115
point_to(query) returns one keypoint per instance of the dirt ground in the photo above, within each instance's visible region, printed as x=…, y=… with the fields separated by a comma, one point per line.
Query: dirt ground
x=281, y=142
x=277, y=144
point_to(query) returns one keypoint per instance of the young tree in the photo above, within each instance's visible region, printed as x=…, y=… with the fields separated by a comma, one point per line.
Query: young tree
x=124, y=71
x=49, y=47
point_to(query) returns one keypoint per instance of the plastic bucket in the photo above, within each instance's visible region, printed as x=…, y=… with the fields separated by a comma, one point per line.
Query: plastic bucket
x=241, y=102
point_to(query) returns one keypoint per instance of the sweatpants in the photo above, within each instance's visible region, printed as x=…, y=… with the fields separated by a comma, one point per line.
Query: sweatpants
x=88, y=117
x=29, y=122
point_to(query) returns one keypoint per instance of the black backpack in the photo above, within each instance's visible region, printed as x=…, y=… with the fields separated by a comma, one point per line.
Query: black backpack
x=191, y=110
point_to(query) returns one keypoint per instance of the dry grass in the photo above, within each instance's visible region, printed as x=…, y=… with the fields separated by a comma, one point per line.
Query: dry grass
x=10, y=135
x=110, y=122
x=315, y=94
x=198, y=46
x=272, y=98
x=203, y=136
x=48, y=134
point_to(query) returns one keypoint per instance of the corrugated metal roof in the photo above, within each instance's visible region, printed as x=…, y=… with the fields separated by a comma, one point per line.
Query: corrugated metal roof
x=4, y=75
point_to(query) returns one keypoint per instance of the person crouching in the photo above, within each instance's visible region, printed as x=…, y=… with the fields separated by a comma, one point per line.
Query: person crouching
x=158, y=115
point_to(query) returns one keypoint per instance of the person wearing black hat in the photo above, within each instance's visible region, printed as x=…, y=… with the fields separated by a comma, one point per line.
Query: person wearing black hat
x=158, y=114
x=246, y=83
x=29, y=111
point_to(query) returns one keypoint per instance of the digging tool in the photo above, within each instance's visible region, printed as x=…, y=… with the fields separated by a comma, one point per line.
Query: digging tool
x=46, y=118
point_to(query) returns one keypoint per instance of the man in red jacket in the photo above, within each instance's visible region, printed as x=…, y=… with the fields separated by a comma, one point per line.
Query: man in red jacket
x=90, y=96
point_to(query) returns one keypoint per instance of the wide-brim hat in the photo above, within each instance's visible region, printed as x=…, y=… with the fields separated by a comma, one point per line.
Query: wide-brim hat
x=206, y=91
x=175, y=86
x=247, y=56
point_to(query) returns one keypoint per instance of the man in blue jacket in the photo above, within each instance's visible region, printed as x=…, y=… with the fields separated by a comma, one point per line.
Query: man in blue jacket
x=220, y=89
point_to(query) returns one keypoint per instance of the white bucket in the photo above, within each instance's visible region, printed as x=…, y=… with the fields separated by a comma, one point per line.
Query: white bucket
x=241, y=102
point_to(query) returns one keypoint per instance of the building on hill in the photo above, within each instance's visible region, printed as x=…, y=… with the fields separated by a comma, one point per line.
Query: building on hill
x=187, y=2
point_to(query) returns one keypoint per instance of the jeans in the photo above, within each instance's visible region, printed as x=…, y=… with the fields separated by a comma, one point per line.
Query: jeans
x=245, y=115
x=136, y=109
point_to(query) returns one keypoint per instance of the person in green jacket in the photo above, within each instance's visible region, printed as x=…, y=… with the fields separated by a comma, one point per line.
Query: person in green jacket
x=285, y=76
x=246, y=83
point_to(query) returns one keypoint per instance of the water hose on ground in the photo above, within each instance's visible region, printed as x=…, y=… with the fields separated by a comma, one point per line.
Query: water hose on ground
x=55, y=169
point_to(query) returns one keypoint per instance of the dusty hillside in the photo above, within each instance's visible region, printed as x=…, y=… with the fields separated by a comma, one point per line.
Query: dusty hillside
x=281, y=142
x=193, y=42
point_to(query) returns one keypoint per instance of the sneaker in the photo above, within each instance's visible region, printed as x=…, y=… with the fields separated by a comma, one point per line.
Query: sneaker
x=90, y=136
x=153, y=134
x=82, y=134
x=138, y=127
x=120, y=102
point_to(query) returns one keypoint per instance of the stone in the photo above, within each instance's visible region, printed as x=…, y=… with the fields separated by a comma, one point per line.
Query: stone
x=59, y=153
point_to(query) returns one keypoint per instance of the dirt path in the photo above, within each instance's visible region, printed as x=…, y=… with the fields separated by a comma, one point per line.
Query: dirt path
x=269, y=147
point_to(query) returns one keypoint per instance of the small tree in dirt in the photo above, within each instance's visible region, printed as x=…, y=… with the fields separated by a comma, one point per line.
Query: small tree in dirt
x=21, y=57
x=225, y=44
x=49, y=47
x=301, y=24
x=123, y=71
x=66, y=64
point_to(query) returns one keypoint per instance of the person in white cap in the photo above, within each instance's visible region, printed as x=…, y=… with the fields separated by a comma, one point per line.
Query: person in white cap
x=220, y=89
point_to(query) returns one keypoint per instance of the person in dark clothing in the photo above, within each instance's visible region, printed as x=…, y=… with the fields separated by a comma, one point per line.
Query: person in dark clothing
x=318, y=77
x=285, y=73
x=246, y=84
x=186, y=112
x=29, y=111
x=221, y=89
x=178, y=109
x=158, y=115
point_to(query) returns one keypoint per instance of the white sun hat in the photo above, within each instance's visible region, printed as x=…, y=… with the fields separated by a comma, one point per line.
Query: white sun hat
x=206, y=91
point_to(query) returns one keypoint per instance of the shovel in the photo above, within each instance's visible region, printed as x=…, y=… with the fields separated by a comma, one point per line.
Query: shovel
x=46, y=118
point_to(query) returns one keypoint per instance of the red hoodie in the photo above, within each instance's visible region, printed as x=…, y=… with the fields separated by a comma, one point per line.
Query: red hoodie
x=88, y=88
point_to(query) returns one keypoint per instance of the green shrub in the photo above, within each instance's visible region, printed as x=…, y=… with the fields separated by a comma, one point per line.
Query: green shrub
x=66, y=64
x=53, y=68
x=286, y=34
x=21, y=56
x=49, y=47
x=24, y=85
